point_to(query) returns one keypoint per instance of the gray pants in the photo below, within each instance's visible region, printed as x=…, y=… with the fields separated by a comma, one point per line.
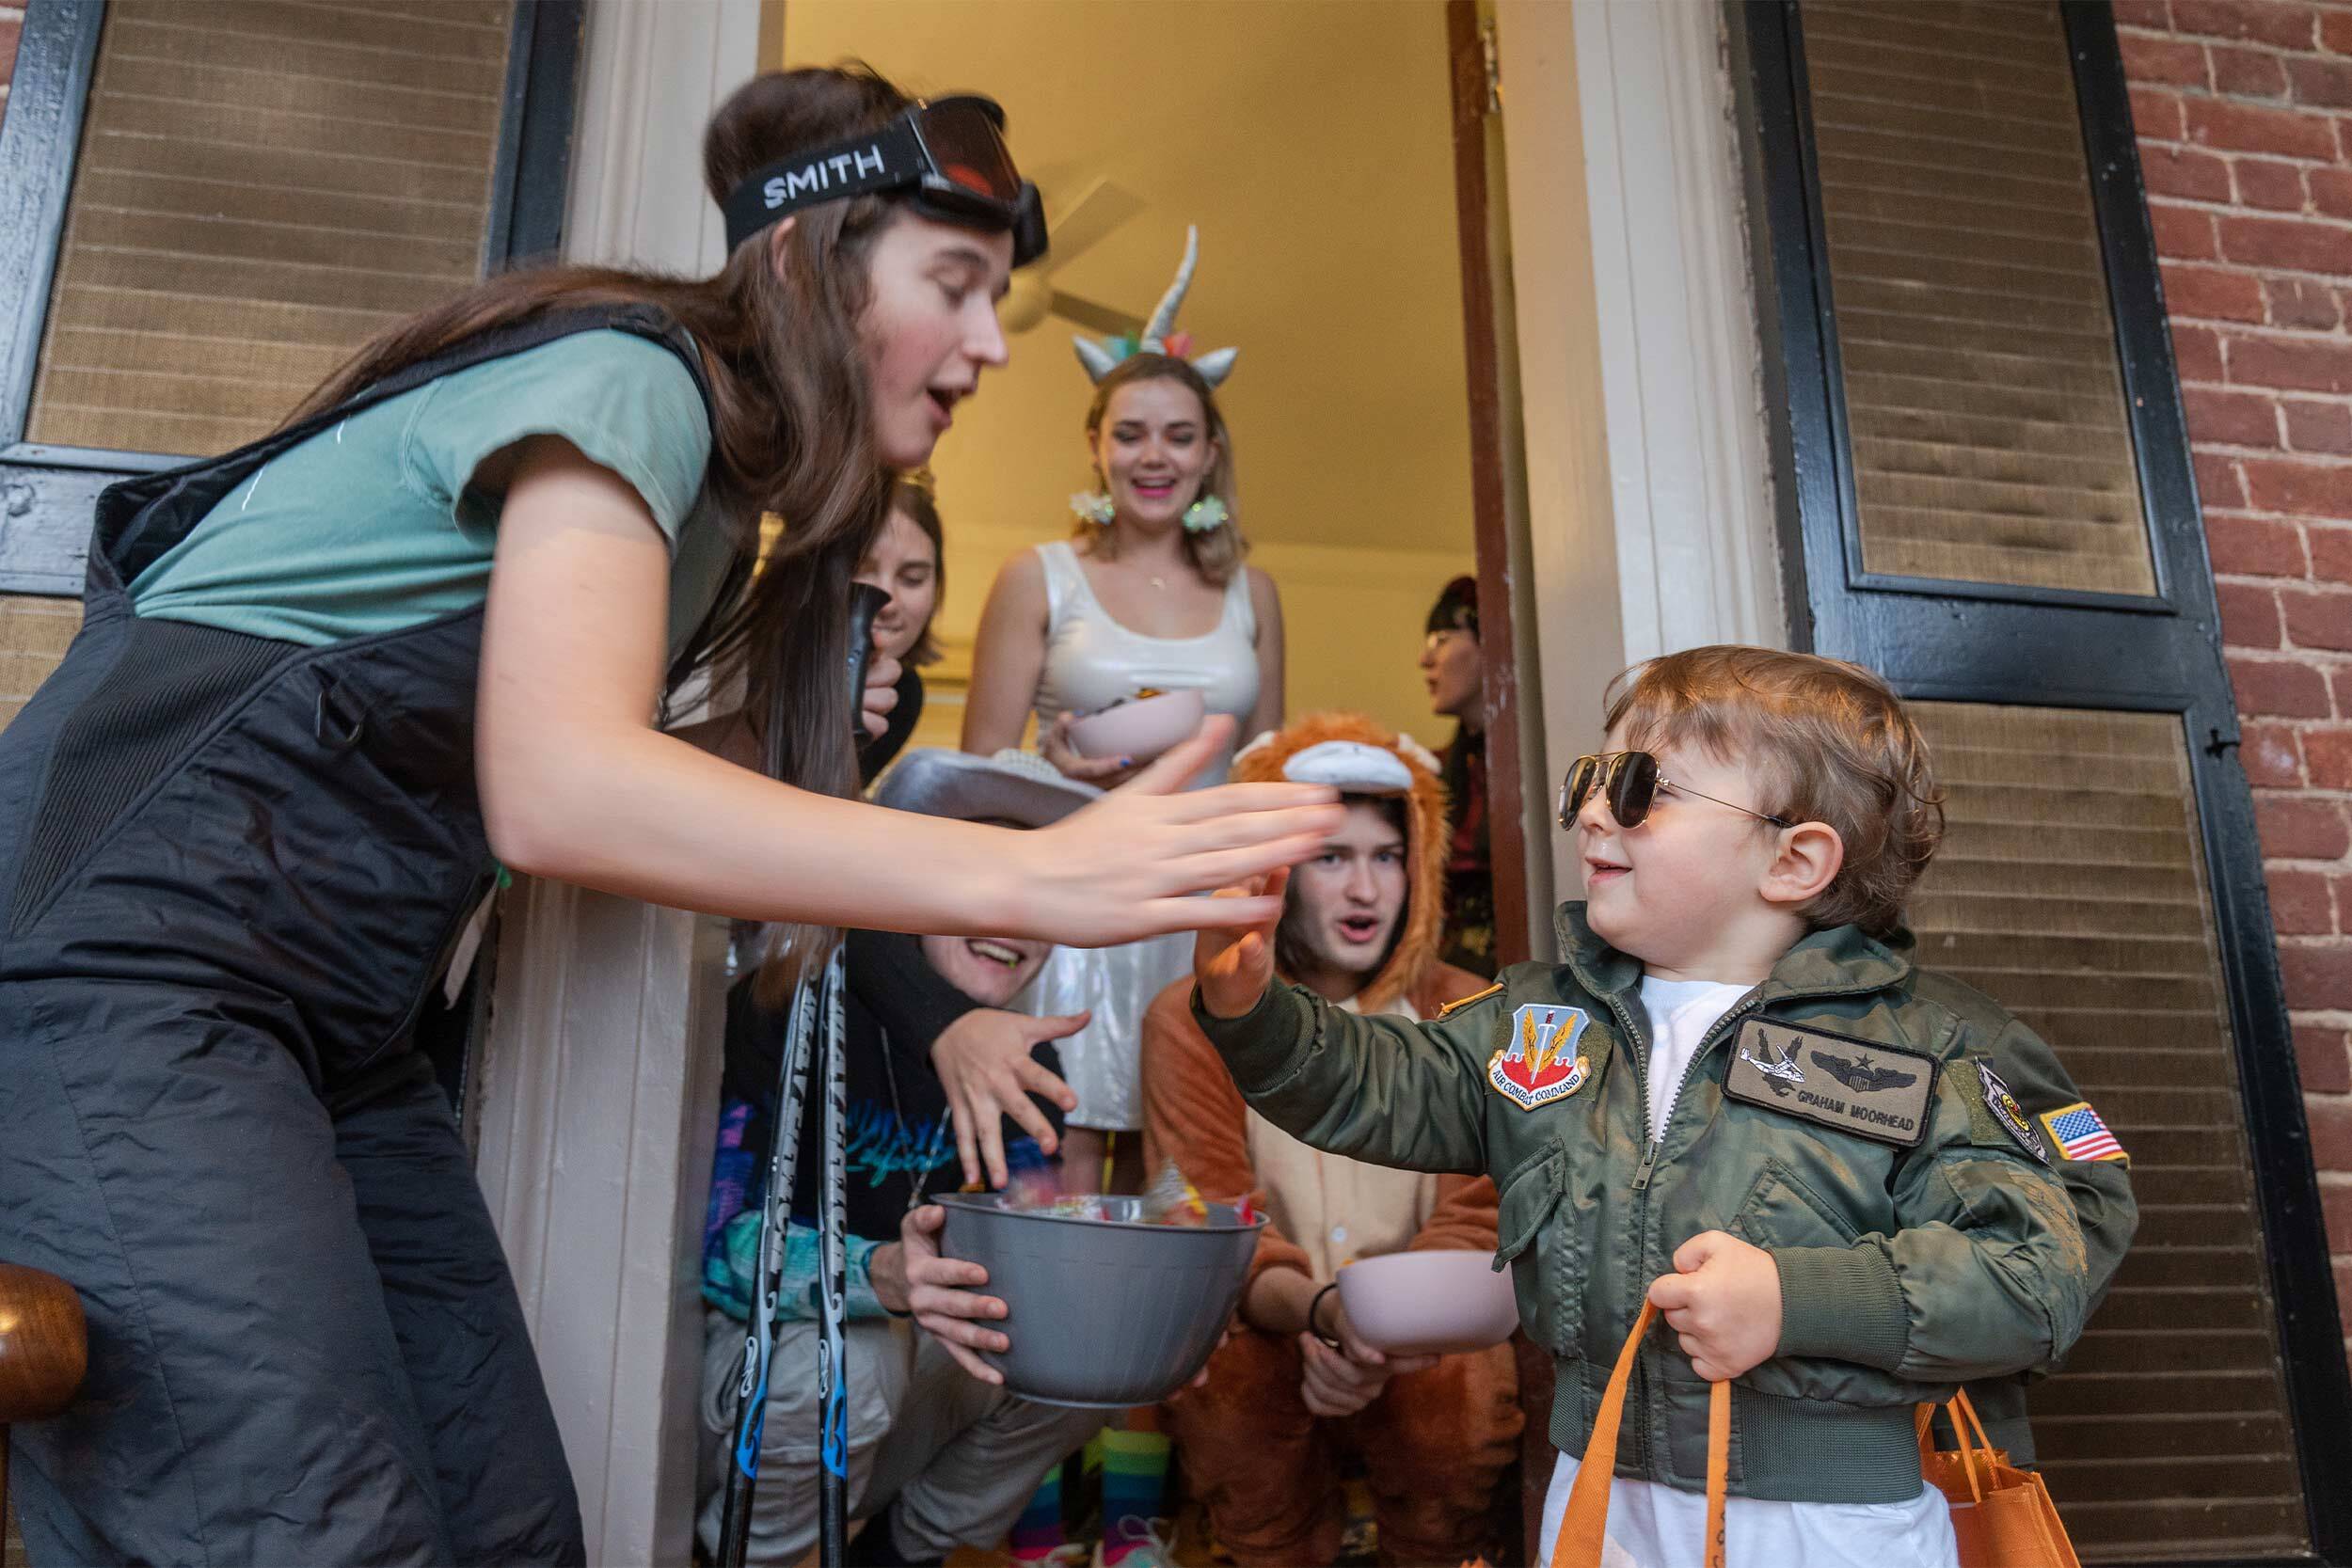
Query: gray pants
x=959, y=1458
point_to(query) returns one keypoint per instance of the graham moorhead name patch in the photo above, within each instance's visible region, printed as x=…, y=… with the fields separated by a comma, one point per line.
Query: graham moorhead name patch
x=1871, y=1090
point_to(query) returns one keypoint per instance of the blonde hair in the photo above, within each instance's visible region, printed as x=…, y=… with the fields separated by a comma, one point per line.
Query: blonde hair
x=1828, y=742
x=1216, y=553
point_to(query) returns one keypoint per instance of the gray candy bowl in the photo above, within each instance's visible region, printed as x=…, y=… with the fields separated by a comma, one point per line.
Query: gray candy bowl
x=1102, y=1313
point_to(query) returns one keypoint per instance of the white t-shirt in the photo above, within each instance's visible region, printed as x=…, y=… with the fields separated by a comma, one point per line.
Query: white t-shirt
x=1652, y=1526
x=1680, y=1014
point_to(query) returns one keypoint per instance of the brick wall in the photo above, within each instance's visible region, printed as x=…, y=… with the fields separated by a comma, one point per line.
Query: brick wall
x=2244, y=111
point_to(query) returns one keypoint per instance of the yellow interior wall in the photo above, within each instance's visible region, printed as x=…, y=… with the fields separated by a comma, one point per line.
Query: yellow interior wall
x=1311, y=143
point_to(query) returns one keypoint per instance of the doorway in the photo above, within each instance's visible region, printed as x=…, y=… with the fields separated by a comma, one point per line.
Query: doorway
x=1330, y=255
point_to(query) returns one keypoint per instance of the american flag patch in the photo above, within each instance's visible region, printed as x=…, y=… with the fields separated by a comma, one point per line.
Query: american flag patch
x=2078, y=1133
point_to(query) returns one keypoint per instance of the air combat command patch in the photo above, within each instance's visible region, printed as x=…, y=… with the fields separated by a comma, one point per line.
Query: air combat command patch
x=1541, y=1064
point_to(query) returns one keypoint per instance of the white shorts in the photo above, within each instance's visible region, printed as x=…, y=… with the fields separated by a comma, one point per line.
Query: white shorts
x=1656, y=1527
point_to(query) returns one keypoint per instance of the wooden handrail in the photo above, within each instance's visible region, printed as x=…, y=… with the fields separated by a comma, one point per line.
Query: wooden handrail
x=44, y=1349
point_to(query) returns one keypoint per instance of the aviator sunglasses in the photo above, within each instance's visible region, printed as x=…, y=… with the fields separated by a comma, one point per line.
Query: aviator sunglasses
x=1631, y=782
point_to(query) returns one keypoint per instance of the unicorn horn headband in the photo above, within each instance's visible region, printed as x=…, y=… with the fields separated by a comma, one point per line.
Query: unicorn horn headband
x=1101, y=358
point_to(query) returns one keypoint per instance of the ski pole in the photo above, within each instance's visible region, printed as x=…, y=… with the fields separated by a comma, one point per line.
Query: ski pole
x=810, y=1011
x=775, y=1216
x=833, y=1479
x=833, y=1285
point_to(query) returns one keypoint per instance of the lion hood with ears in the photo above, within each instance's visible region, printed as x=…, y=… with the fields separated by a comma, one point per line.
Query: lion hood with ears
x=1359, y=756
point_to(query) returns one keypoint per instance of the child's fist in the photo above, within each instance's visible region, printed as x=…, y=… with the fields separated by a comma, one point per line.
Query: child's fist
x=1722, y=1301
x=1234, y=966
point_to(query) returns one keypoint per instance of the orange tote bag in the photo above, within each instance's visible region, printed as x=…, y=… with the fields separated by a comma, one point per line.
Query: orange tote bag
x=1583, y=1526
x=2001, y=1515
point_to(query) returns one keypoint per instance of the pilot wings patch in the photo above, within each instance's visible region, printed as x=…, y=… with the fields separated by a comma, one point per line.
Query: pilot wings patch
x=1860, y=1074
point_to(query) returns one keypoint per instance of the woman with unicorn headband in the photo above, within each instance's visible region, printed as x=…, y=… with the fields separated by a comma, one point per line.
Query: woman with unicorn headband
x=1152, y=594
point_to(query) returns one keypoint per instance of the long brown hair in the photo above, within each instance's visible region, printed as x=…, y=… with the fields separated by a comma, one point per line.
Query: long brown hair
x=792, y=426
x=1215, y=553
x=914, y=497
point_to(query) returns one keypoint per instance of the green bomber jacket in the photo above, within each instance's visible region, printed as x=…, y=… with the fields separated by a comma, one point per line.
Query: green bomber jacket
x=1846, y=1116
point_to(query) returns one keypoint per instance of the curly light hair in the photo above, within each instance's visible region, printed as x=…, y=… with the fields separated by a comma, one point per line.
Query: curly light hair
x=1828, y=741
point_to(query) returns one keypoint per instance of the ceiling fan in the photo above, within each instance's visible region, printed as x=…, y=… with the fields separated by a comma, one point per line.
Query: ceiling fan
x=1098, y=209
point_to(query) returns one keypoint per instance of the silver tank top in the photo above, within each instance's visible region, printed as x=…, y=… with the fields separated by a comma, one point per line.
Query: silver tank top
x=1092, y=661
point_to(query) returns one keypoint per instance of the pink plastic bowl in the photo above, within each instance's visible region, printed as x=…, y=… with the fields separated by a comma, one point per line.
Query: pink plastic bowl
x=1141, y=730
x=1429, y=1303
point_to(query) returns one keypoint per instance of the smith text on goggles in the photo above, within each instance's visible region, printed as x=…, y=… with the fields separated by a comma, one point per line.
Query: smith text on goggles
x=951, y=150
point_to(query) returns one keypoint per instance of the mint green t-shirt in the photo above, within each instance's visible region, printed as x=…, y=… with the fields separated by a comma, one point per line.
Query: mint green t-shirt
x=374, y=525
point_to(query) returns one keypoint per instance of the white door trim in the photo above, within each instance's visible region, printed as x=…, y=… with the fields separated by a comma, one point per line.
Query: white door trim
x=600, y=1095
x=1650, y=529
x=600, y=1081
x=1651, y=526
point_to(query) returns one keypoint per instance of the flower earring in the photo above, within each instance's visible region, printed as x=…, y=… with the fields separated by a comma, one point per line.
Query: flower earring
x=1206, y=515
x=1093, y=506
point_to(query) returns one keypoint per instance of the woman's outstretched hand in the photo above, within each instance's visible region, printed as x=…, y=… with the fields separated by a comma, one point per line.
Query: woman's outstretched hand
x=1126, y=866
x=1233, y=966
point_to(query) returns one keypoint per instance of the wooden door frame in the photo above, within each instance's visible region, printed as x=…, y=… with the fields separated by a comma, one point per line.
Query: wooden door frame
x=1635, y=511
x=620, y=1086
x=1468, y=63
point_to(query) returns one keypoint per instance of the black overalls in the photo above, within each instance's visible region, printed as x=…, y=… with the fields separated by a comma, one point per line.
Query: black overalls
x=230, y=868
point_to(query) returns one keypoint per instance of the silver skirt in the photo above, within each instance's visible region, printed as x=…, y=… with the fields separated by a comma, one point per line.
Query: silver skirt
x=1102, y=1062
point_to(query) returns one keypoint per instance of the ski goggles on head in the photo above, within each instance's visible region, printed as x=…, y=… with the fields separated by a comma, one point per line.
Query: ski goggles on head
x=1630, y=782
x=950, y=151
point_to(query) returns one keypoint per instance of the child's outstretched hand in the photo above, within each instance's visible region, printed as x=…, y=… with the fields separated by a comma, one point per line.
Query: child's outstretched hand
x=1722, y=1301
x=1235, y=964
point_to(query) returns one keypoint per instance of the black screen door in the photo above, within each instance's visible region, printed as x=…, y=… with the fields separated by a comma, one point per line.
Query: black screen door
x=1987, y=496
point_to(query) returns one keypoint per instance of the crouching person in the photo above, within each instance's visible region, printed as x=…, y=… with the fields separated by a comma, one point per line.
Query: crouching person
x=1295, y=1387
x=942, y=1086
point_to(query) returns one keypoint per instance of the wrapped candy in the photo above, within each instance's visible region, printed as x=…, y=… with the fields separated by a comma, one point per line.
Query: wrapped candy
x=1036, y=1191
x=1172, y=1200
x=1031, y=1190
x=1168, y=1200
